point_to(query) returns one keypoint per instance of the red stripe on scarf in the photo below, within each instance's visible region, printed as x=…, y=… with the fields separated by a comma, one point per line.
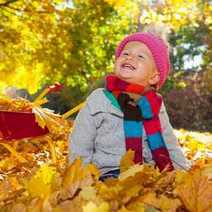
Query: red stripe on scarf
x=164, y=161
x=135, y=144
x=152, y=126
x=116, y=84
x=155, y=101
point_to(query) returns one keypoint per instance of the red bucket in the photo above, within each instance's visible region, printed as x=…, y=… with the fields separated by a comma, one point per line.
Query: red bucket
x=17, y=125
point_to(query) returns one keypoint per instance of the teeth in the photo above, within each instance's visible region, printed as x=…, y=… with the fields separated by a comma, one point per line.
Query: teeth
x=128, y=66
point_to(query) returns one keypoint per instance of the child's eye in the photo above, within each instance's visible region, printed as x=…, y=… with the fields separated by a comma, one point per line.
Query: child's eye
x=125, y=53
x=141, y=56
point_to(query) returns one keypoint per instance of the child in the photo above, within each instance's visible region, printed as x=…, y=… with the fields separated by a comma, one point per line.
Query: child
x=129, y=113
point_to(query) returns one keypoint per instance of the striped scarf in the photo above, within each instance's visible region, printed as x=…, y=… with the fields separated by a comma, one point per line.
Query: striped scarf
x=138, y=115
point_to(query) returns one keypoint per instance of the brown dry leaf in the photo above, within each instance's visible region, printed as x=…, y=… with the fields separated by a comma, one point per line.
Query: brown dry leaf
x=162, y=202
x=127, y=160
x=196, y=192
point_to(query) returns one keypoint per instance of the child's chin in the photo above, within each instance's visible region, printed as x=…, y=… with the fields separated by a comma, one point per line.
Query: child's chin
x=125, y=78
x=125, y=74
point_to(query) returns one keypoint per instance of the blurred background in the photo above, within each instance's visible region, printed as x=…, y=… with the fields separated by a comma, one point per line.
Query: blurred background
x=73, y=42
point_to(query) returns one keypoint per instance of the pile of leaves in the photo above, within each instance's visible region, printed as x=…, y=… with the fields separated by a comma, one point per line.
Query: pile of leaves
x=15, y=105
x=29, y=153
x=138, y=188
x=41, y=184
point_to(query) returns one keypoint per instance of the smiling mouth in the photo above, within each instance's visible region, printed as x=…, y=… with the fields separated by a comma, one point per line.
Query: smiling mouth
x=128, y=66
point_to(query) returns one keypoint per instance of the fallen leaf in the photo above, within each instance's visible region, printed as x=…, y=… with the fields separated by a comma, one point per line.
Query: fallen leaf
x=88, y=193
x=78, y=176
x=196, y=192
x=161, y=202
x=40, y=184
x=92, y=207
x=127, y=161
x=131, y=171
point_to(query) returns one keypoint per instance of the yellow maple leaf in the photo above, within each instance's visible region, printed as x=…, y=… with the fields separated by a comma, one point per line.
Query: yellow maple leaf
x=131, y=171
x=91, y=169
x=92, y=207
x=123, y=209
x=74, y=205
x=73, y=173
x=88, y=193
x=196, y=192
x=136, y=207
x=19, y=207
x=109, y=190
x=40, y=185
x=207, y=171
x=127, y=160
x=45, y=117
x=180, y=176
x=78, y=176
x=162, y=202
x=40, y=118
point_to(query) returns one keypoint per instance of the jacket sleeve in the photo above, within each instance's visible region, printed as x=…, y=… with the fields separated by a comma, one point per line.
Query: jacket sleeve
x=81, y=139
x=175, y=151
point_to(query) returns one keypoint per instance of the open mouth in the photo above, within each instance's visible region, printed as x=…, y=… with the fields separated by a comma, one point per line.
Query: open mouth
x=128, y=66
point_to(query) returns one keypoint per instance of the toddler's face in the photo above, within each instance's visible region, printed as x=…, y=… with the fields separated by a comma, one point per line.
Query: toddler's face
x=136, y=65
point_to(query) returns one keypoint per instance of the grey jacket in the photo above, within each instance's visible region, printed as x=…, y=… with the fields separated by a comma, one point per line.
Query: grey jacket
x=98, y=135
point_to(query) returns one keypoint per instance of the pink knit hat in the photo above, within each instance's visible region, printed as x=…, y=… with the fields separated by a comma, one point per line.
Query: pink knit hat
x=157, y=47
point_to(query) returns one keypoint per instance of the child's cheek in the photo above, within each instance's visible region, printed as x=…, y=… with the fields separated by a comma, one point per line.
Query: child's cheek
x=116, y=67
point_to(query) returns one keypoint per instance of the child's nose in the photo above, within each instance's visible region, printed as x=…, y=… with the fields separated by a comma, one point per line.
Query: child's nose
x=130, y=56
